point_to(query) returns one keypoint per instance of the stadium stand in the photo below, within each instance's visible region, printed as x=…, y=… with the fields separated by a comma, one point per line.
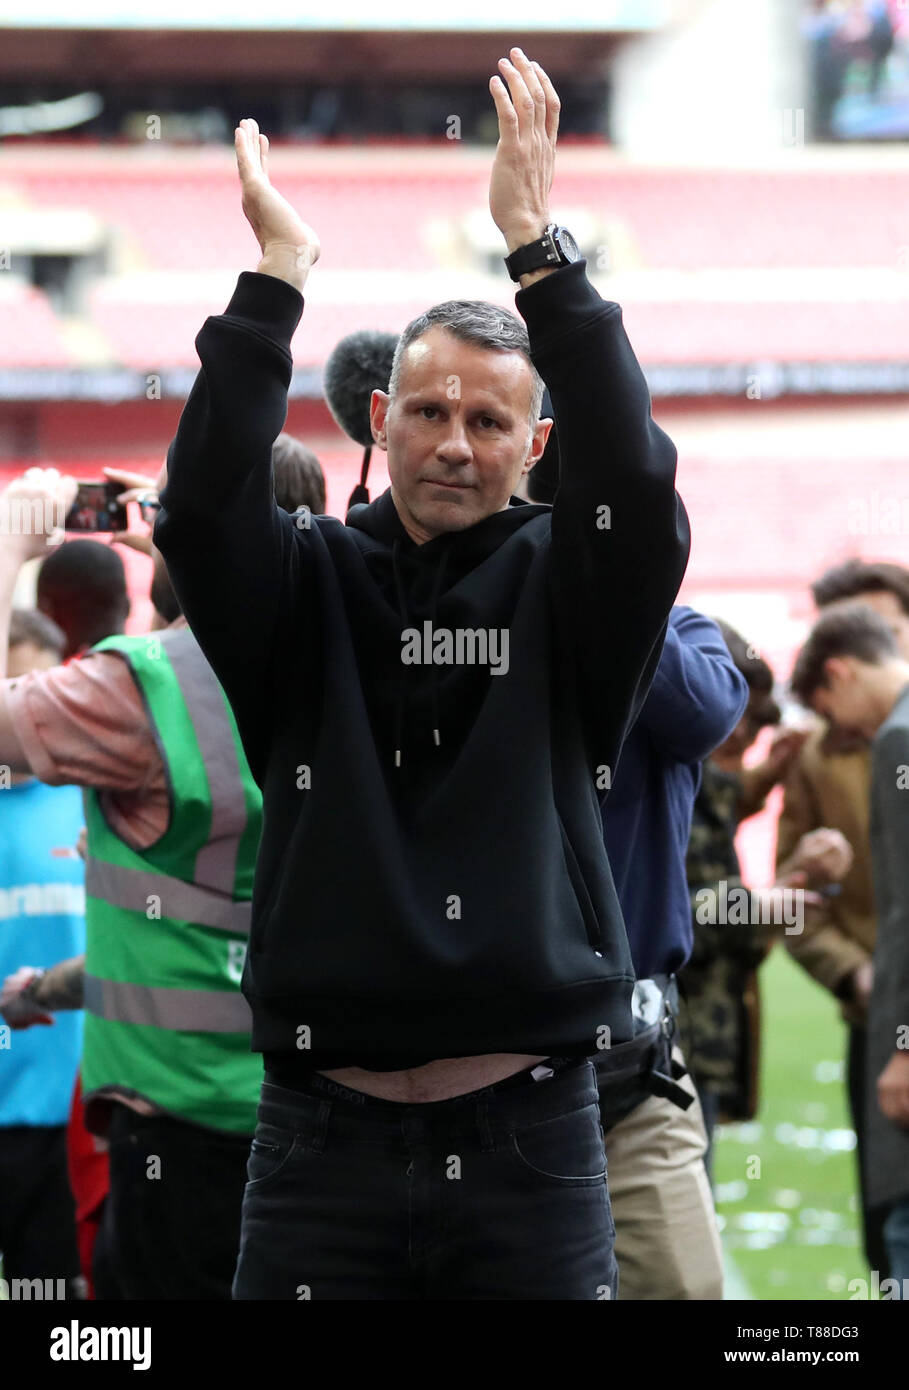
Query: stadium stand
x=31, y=334
x=172, y=222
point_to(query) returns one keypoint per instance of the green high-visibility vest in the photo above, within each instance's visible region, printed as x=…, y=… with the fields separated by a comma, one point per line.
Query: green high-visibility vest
x=167, y=927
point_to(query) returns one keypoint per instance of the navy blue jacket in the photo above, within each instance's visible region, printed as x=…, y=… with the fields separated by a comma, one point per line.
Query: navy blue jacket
x=695, y=702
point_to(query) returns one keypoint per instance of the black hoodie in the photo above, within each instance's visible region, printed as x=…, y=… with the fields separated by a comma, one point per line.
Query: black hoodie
x=431, y=880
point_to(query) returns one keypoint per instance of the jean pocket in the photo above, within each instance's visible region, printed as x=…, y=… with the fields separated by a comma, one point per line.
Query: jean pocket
x=271, y=1150
x=566, y=1151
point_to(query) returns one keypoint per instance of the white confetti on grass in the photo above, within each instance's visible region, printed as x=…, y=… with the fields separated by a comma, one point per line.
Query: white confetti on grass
x=731, y=1191
x=806, y=1137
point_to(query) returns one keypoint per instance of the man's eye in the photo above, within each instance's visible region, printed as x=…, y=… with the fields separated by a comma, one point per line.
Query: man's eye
x=488, y=422
x=429, y=412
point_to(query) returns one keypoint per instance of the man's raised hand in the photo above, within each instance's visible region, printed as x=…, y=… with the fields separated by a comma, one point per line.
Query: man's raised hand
x=290, y=247
x=528, y=112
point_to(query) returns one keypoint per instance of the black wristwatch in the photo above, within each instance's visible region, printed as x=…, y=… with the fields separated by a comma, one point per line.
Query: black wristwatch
x=555, y=247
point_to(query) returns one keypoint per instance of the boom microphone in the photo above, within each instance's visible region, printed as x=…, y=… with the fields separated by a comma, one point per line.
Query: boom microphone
x=358, y=365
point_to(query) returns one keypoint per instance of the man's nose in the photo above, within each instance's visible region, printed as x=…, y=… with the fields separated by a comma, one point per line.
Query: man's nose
x=454, y=447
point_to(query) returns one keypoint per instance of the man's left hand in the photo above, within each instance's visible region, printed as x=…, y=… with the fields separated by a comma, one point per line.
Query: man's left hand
x=528, y=112
x=893, y=1089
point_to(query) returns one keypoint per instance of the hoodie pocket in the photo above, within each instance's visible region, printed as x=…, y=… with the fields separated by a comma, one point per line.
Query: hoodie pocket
x=594, y=929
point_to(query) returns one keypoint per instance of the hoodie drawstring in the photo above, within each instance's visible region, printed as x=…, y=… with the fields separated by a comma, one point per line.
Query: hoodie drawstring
x=436, y=590
x=404, y=615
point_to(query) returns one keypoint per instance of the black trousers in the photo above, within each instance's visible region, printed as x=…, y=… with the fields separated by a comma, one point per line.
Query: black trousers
x=37, y=1211
x=171, y=1223
x=873, y=1218
x=500, y=1194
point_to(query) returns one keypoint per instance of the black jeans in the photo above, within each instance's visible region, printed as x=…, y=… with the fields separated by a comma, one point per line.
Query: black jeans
x=500, y=1194
x=171, y=1222
x=37, y=1211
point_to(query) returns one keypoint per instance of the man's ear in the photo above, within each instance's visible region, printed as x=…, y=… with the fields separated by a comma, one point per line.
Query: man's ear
x=838, y=669
x=379, y=402
x=537, y=444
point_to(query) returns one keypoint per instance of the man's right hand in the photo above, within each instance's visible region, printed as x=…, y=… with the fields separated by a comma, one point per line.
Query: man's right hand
x=16, y=1008
x=825, y=855
x=290, y=247
x=33, y=508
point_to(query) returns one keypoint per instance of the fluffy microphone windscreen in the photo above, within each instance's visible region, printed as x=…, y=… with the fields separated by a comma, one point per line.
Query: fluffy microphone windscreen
x=357, y=366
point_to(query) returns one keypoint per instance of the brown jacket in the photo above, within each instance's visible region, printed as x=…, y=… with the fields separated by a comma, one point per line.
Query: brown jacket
x=829, y=785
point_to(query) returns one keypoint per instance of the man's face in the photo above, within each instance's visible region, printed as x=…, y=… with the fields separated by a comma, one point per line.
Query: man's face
x=457, y=434
x=847, y=699
x=890, y=608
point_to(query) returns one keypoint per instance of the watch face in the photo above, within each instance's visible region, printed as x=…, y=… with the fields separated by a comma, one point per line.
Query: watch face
x=566, y=244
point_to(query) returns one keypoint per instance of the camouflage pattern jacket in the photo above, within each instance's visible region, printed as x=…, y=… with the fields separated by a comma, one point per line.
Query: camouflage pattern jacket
x=718, y=1018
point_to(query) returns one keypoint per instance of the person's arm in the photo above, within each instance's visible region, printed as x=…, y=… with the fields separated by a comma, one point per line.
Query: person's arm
x=759, y=779
x=12, y=753
x=62, y=986
x=31, y=995
x=697, y=696
x=235, y=559
x=32, y=511
x=86, y=725
x=620, y=536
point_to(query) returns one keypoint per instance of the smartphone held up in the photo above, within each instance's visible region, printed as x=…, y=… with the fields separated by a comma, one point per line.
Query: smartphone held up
x=96, y=508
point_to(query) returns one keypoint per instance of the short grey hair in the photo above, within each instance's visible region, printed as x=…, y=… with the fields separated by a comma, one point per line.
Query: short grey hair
x=473, y=321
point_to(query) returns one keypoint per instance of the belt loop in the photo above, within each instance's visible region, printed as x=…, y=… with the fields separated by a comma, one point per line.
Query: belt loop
x=320, y=1127
x=487, y=1143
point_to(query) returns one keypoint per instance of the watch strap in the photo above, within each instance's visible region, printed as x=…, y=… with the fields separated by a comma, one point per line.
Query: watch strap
x=536, y=255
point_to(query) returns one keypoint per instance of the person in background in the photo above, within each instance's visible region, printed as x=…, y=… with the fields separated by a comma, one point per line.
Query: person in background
x=81, y=586
x=297, y=473
x=852, y=672
x=719, y=1016
x=141, y=723
x=42, y=917
x=828, y=784
x=667, y=1243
